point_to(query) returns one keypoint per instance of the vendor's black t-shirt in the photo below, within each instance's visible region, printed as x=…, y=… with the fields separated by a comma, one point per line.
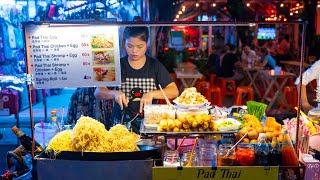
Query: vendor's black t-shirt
x=227, y=65
x=135, y=83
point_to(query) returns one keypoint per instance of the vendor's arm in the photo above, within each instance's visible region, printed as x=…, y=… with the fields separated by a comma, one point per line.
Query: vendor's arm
x=304, y=99
x=171, y=91
x=308, y=76
x=118, y=96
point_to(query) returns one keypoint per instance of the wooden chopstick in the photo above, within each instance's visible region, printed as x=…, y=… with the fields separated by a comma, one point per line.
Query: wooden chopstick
x=165, y=97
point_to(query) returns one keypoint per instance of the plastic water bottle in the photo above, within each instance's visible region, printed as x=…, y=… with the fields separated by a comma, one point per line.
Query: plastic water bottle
x=54, y=120
x=263, y=120
x=262, y=151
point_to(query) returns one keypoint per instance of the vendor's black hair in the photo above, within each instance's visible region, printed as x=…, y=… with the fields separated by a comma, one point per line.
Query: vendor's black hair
x=140, y=32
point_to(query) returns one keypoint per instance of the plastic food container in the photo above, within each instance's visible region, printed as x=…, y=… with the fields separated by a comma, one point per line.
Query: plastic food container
x=44, y=135
x=154, y=113
x=191, y=112
x=228, y=124
x=218, y=114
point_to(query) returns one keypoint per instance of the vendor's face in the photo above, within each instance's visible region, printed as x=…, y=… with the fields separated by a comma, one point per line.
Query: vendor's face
x=136, y=48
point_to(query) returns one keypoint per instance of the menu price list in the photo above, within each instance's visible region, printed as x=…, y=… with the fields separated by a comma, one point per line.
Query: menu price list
x=71, y=60
x=49, y=63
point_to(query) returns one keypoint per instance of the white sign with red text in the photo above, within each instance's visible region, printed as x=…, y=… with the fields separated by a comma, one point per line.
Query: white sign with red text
x=73, y=56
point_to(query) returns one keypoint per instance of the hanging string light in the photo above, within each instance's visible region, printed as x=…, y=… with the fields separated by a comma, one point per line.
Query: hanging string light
x=274, y=17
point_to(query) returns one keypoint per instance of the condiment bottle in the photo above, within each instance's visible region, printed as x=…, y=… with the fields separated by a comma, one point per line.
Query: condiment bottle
x=289, y=155
x=26, y=141
x=54, y=121
x=262, y=151
x=275, y=153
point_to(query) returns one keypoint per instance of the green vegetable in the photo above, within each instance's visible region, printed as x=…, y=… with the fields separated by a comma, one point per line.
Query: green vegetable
x=256, y=108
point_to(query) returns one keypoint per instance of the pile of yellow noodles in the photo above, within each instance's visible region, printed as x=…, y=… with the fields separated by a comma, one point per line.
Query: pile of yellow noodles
x=89, y=135
x=123, y=140
x=60, y=142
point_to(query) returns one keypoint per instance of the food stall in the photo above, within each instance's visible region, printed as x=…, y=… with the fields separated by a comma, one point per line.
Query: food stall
x=95, y=153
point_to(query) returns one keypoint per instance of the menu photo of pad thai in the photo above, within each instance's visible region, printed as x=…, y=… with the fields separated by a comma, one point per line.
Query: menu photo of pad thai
x=102, y=41
x=105, y=74
x=102, y=57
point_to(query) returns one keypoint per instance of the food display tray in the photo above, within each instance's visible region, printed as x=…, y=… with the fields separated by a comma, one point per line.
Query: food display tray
x=144, y=130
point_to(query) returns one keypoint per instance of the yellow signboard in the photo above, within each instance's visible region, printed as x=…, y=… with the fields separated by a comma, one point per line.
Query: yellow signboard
x=223, y=173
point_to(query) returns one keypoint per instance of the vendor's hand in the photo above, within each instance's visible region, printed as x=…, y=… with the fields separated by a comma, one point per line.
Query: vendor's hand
x=145, y=100
x=121, y=99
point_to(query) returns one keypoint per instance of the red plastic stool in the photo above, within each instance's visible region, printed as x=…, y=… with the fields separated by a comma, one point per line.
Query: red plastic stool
x=200, y=85
x=291, y=95
x=243, y=90
x=213, y=94
x=212, y=79
x=228, y=86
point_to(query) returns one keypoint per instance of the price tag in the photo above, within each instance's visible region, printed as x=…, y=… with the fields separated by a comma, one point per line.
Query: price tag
x=227, y=173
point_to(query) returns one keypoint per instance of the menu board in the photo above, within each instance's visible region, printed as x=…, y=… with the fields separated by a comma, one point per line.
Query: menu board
x=73, y=56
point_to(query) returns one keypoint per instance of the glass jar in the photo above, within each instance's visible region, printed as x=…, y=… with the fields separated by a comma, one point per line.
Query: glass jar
x=208, y=155
x=186, y=158
x=171, y=159
x=223, y=158
x=245, y=154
